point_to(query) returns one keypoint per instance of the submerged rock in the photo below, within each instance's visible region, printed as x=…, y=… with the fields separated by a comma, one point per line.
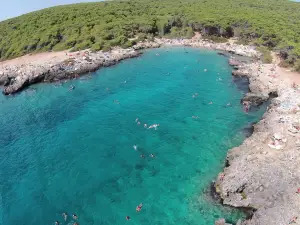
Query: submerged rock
x=221, y=222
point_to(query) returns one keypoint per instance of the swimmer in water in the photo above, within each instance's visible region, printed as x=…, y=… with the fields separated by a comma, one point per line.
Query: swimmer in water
x=71, y=88
x=145, y=125
x=127, y=217
x=153, y=126
x=142, y=156
x=65, y=216
x=56, y=223
x=205, y=70
x=210, y=103
x=246, y=106
x=152, y=155
x=228, y=104
x=135, y=147
x=125, y=82
x=139, y=207
x=75, y=217
x=136, y=120
x=193, y=96
x=139, y=123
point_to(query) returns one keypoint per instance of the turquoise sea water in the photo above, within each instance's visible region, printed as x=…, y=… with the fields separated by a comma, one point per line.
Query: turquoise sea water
x=72, y=151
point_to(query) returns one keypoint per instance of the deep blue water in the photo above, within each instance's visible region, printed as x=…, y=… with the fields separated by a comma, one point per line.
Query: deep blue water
x=72, y=151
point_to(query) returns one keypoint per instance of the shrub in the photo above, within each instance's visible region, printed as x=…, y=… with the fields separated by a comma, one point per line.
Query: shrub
x=266, y=54
x=244, y=196
x=297, y=65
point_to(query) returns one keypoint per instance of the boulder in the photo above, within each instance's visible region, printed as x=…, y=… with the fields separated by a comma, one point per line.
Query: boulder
x=240, y=73
x=234, y=62
x=255, y=99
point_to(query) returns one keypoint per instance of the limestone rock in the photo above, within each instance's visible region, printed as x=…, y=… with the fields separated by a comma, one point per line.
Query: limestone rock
x=255, y=98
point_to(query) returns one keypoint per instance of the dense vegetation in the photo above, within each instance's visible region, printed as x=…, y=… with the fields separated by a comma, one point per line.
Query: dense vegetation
x=274, y=24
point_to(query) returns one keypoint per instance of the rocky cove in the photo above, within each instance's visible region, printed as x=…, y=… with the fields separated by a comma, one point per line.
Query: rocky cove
x=15, y=77
x=263, y=172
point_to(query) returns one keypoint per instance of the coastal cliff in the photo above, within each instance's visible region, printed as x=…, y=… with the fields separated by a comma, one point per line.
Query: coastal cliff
x=263, y=173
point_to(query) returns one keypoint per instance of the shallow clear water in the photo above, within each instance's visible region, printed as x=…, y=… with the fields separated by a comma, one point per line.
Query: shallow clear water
x=72, y=151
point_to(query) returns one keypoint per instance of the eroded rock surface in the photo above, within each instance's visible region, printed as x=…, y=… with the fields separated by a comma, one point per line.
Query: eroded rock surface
x=263, y=173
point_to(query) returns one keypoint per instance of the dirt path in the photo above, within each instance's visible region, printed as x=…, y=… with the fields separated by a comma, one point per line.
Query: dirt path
x=285, y=73
x=38, y=58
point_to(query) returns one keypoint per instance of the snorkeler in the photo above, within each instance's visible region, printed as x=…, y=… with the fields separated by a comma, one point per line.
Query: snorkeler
x=65, y=216
x=139, y=207
x=75, y=217
x=153, y=126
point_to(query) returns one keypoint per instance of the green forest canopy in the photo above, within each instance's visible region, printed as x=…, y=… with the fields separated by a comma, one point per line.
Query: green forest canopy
x=271, y=23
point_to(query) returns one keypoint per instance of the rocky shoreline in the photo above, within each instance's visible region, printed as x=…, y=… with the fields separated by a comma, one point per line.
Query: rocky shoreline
x=262, y=173
x=14, y=78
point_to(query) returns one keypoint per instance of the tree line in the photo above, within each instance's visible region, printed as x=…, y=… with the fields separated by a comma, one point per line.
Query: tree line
x=274, y=24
